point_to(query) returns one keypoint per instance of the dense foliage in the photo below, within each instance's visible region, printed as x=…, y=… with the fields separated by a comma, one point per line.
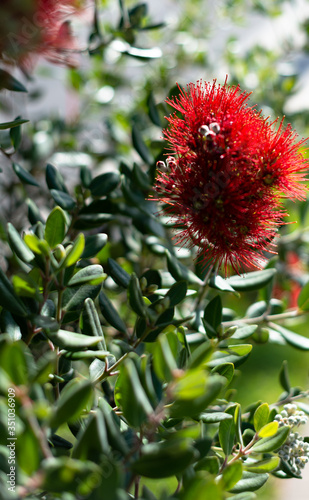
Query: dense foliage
x=120, y=350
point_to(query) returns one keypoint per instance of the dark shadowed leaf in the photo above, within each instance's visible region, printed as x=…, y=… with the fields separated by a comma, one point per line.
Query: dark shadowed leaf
x=104, y=184
x=24, y=175
x=54, y=179
x=14, y=123
x=152, y=110
x=73, y=298
x=110, y=313
x=93, y=245
x=130, y=395
x=179, y=271
x=64, y=200
x=18, y=245
x=73, y=399
x=165, y=459
x=140, y=145
x=119, y=275
x=7, y=81
x=72, y=341
x=8, y=298
x=135, y=296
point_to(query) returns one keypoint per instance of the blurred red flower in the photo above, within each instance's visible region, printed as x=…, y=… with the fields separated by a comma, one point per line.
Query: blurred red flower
x=34, y=28
x=230, y=168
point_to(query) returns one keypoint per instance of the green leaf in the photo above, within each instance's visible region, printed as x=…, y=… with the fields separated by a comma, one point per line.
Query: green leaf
x=15, y=135
x=55, y=227
x=135, y=296
x=85, y=176
x=93, y=245
x=227, y=434
x=34, y=214
x=177, y=293
x=119, y=275
x=64, y=474
x=303, y=298
x=91, y=322
x=64, y=200
x=221, y=357
x=104, y=184
x=153, y=111
x=165, y=459
x=37, y=245
x=18, y=245
x=130, y=395
x=92, y=439
x=217, y=282
x=201, y=355
x=101, y=355
x=14, y=123
x=72, y=401
x=74, y=297
x=140, y=178
x=199, y=486
x=239, y=349
x=54, y=179
x=249, y=482
x=8, y=298
x=194, y=392
x=115, y=438
x=25, y=286
x=73, y=252
x=140, y=146
x=261, y=416
x=214, y=417
x=252, y=281
x=110, y=313
x=268, y=430
x=225, y=370
x=93, y=275
x=267, y=444
x=45, y=366
x=231, y=475
x=213, y=316
x=284, y=377
x=14, y=361
x=72, y=341
x=262, y=466
x=244, y=332
x=27, y=452
x=163, y=359
x=248, y=495
x=7, y=81
x=292, y=338
x=24, y=175
x=179, y=271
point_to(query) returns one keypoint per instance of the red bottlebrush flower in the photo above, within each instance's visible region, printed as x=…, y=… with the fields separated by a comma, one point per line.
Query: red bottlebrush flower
x=36, y=28
x=230, y=169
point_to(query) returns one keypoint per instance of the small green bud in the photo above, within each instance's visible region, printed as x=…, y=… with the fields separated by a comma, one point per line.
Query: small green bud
x=59, y=252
